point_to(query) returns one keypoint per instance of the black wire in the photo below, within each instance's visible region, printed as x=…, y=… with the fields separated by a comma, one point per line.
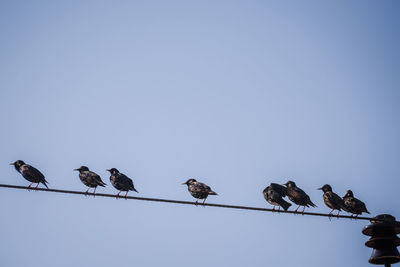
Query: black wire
x=185, y=202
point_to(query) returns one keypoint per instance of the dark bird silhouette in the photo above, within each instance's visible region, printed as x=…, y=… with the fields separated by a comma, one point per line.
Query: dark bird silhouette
x=279, y=189
x=354, y=205
x=89, y=178
x=274, y=194
x=30, y=173
x=332, y=200
x=298, y=196
x=121, y=182
x=199, y=190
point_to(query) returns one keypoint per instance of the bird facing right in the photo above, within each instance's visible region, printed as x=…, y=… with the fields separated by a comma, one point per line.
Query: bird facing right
x=199, y=190
x=121, y=182
x=332, y=200
x=354, y=205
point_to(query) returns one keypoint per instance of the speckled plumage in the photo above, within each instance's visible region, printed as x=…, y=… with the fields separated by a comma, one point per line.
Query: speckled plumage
x=298, y=196
x=354, y=205
x=121, y=182
x=199, y=190
x=332, y=200
x=89, y=178
x=274, y=194
x=30, y=173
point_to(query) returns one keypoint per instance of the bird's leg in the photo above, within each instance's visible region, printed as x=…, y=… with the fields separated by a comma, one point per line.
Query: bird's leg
x=196, y=201
x=273, y=208
x=204, y=202
x=303, y=210
x=297, y=208
x=338, y=214
x=126, y=194
x=37, y=186
x=94, y=192
x=279, y=208
x=87, y=191
x=29, y=187
x=117, y=196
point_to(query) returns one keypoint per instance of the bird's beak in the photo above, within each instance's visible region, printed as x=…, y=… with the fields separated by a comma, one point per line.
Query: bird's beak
x=76, y=169
x=108, y=170
x=12, y=164
x=319, y=188
x=184, y=183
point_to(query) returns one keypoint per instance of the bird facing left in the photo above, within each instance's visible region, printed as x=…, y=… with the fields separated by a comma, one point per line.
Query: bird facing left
x=30, y=173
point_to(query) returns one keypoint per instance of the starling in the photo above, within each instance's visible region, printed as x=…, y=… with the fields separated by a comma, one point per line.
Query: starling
x=121, y=182
x=89, y=178
x=199, y=190
x=354, y=205
x=332, y=200
x=279, y=189
x=30, y=173
x=298, y=196
x=273, y=194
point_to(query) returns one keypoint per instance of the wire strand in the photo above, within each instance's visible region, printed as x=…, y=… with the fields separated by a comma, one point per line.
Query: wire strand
x=185, y=202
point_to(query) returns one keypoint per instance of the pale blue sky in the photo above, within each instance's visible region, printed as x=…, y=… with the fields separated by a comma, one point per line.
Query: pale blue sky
x=236, y=94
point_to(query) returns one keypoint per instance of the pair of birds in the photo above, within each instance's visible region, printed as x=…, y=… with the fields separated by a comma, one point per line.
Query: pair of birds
x=119, y=180
x=348, y=203
x=274, y=194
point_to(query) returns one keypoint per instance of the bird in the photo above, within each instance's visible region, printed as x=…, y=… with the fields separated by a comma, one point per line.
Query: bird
x=198, y=190
x=89, y=178
x=354, y=205
x=279, y=189
x=332, y=200
x=121, y=182
x=298, y=196
x=274, y=194
x=30, y=173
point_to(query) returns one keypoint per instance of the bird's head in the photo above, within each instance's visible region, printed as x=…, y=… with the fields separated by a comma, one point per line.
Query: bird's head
x=326, y=188
x=82, y=169
x=113, y=171
x=18, y=164
x=349, y=193
x=290, y=184
x=190, y=181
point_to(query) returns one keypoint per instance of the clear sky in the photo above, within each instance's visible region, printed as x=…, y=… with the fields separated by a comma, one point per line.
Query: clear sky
x=236, y=94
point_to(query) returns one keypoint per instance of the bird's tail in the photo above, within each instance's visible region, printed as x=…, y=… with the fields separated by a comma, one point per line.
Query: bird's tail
x=45, y=184
x=284, y=204
x=102, y=184
x=212, y=193
x=311, y=203
x=133, y=189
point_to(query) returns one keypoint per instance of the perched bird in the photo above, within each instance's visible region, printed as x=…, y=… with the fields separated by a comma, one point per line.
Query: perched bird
x=354, y=205
x=274, y=194
x=30, y=173
x=298, y=196
x=121, y=182
x=279, y=189
x=89, y=178
x=199, y=190
x=332, y=200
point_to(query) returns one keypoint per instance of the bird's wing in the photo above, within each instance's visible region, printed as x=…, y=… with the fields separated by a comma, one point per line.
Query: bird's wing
x=31, y=171
x=95, y=178
x=282, y=190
